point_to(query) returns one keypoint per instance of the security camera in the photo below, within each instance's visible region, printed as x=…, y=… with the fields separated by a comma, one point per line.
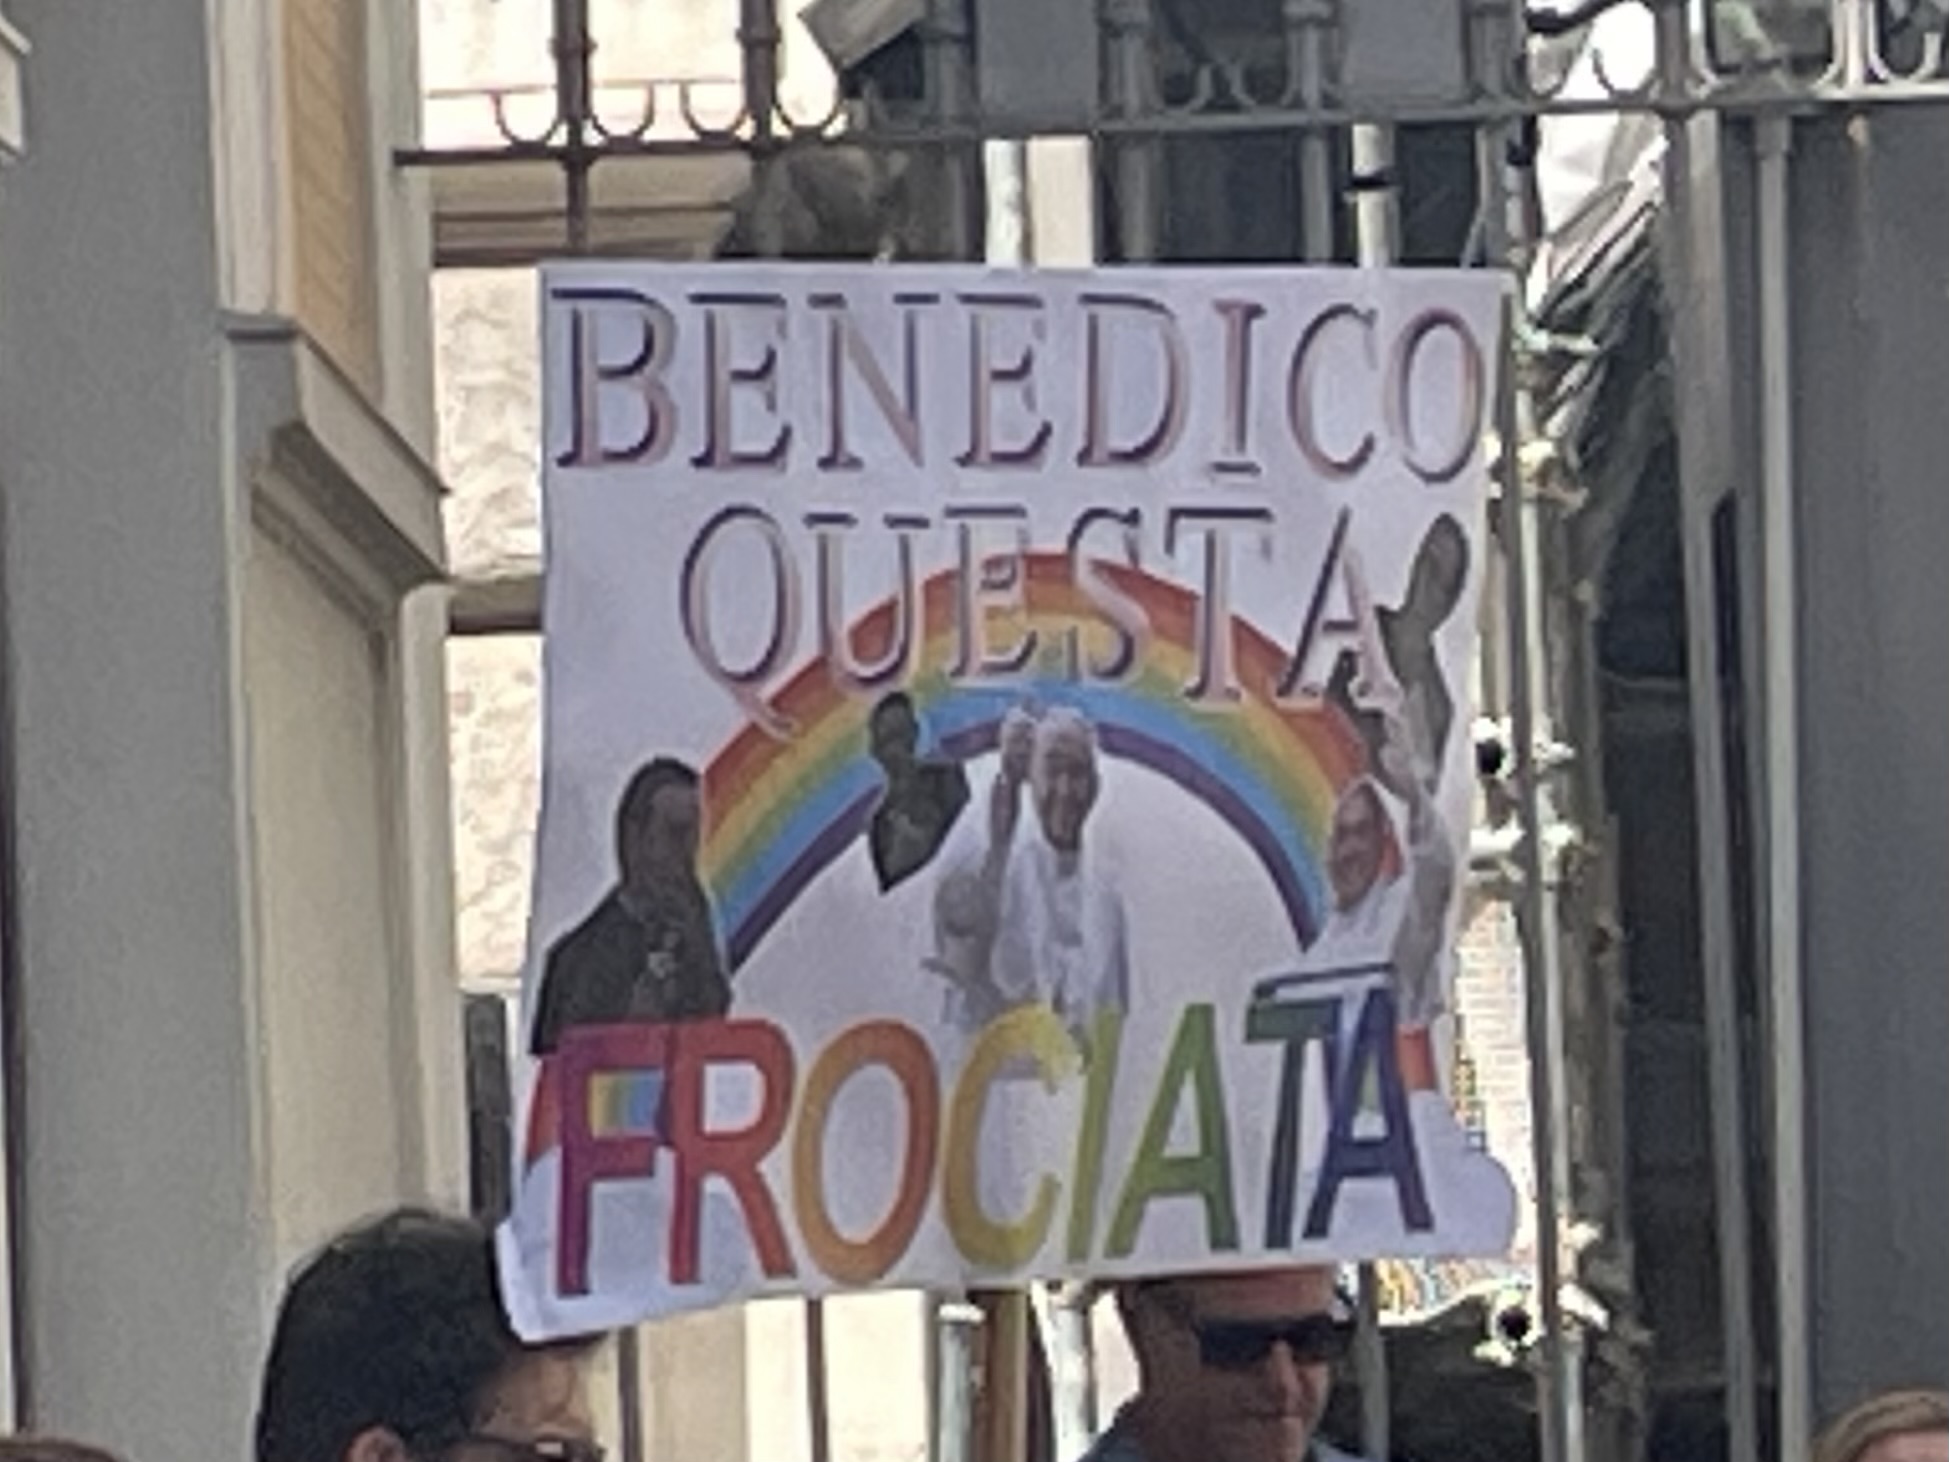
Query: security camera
x=1491, y=750
x=1513, y=1325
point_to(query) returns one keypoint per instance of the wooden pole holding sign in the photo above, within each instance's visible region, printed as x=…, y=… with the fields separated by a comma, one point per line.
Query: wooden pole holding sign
x=1006, y=1393
x=1002, y=1417
x=818, y=1381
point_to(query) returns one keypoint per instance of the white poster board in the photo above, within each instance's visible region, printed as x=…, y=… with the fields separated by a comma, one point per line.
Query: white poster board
x=1007, y=778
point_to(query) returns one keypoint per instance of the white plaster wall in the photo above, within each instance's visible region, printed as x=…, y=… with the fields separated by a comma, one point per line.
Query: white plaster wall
x=876, y=1354
x=696, y=1388
x=487, y=377
x=329, y=981
x=876, y=1362
x=495, y=714
x=487, y=373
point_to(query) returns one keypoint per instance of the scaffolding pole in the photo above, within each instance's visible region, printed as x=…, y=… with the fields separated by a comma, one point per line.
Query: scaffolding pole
x=1373, y=151
x=1544, y=836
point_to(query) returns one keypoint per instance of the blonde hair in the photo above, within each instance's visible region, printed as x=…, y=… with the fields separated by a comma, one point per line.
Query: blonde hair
x=1893, y=1414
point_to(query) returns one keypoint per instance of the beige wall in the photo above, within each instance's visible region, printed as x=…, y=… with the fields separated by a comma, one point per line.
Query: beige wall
x=319, y=702
x=328, y=127
x=310, y=100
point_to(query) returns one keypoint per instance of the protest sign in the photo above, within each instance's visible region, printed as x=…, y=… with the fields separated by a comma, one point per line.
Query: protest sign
x=1007, y=778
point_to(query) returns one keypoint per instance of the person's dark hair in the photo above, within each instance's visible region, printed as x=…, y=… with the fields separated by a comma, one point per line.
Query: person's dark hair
x=650, y=779
x=893, y=700
x=51, y=1449
x=396, y=1324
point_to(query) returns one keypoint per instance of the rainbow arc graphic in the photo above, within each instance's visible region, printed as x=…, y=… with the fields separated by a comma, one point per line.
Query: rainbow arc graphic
x=779, y=811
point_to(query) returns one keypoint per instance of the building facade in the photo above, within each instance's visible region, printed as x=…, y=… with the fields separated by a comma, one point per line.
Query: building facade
x=230, y=1008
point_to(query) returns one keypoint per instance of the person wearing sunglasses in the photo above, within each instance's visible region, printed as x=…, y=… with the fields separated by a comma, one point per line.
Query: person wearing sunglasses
x=1230, y=1367
x=391, y=1345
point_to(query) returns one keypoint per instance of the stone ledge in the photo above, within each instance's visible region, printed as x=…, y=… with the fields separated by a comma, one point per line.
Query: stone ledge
x=326, y=461
x=503, y=604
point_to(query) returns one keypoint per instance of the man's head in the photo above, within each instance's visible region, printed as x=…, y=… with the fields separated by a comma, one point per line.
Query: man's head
x=1237, y=1366
x=1063, y=775
x=1358, y=847
x=390, y=1346
x=893, y=733
x=658, y=824
x=1441, y=567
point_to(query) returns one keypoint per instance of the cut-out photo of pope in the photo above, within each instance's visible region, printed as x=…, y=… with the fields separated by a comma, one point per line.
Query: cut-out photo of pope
x=649, y=950
x=1030, y=914
x=1389, y=903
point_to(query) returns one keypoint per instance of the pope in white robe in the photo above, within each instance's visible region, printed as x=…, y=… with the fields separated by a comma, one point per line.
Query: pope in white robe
x=1031, y=917
x=1396, y=918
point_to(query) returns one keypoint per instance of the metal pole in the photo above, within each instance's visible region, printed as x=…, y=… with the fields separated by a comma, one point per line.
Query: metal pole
x=1370, y=1364
x=1007, y=1399
x=1560, y=1382
x=1775, y=137
x=1005, y=170
x=1065, y=1339
x=1374, y=241
x=949, y=83
x=1128, y=24
x=1376, y=213
x=573, y=47
x=629, y=1392
x=818, y=1391
x=1538, y=933
x=758, y=37
x=957, y=1325
x=1307, y=22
